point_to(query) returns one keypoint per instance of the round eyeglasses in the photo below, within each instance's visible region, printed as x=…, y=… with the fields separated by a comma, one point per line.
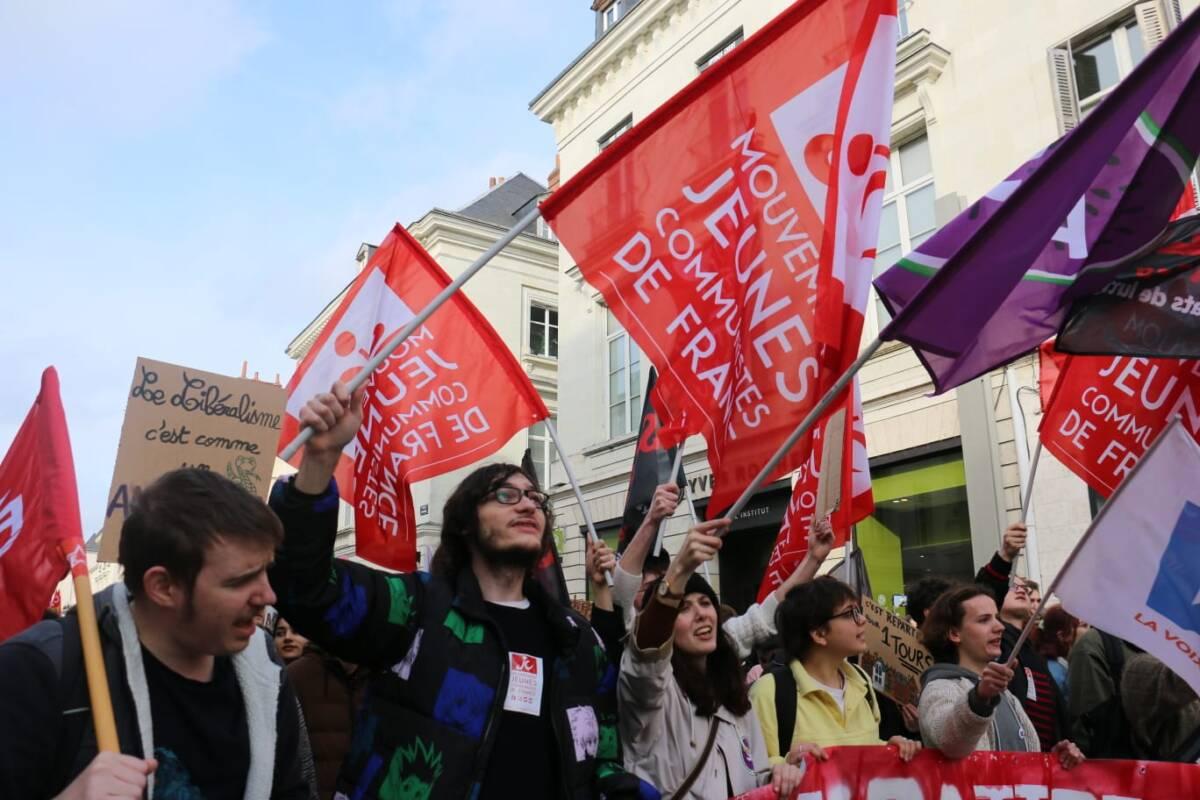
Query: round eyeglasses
x=511, y=495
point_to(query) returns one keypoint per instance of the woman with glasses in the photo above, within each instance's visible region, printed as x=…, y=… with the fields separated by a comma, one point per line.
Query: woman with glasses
x=821, y=699
x=965, y=703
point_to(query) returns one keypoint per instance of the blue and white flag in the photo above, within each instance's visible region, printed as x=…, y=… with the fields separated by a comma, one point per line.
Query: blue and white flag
x=1136, y=572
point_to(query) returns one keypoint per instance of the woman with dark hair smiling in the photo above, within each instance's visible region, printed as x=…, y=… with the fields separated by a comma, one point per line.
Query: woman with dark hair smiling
x=685, y=716
x=965, y=704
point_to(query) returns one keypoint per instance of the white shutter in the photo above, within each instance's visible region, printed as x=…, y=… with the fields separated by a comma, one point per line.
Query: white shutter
x=1062, y=78
x=1155, y=21
x=1175, y=12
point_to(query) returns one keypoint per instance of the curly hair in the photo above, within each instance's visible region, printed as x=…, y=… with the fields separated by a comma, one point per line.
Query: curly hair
x=945, y=615
x=460, y=517
x=805, y=609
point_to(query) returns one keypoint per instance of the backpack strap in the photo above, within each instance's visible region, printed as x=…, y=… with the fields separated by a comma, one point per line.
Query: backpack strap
x=785, y=706
x=870, y=689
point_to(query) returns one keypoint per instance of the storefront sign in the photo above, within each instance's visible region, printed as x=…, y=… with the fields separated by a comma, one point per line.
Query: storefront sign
x=894, y=659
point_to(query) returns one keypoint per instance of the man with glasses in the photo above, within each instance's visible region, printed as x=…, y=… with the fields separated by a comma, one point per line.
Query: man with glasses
x=484, y=685
x=1032, y=682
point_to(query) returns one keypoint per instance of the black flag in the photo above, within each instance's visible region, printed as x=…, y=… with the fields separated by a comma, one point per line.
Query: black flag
x=651, y=467
x=1150, y=308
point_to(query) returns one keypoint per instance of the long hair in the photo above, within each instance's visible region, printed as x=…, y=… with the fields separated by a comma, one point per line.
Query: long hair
x=722, y=683
x=945, y=615
x=460, y=517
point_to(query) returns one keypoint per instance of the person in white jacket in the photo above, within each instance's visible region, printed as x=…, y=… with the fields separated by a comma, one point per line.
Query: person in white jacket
x=965, y=704
x=685, y=718
x=633, y=575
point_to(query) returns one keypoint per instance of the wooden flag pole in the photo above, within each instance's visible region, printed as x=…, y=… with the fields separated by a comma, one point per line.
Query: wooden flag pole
x=817, y=412
x=419, y=320
x=93, y=661
x=662, y=523
x=583, y=508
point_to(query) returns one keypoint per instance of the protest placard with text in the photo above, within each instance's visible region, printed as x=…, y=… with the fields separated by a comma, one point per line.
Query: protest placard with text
x=894, y=659
x=182, y=417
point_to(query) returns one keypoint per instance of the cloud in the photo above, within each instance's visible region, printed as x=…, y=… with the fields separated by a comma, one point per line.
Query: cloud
x=119, y=64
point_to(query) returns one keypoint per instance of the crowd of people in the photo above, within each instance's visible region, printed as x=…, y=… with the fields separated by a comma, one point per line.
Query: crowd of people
x=472, y=681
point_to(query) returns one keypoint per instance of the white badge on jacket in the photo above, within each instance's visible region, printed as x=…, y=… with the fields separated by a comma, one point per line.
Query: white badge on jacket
x=526, y=674
x=1030, y=690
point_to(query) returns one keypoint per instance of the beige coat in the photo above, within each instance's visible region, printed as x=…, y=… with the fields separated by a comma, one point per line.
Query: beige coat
x=663, y=736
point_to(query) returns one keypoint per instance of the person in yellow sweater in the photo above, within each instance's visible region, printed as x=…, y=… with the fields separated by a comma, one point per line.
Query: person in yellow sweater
x=822, y=625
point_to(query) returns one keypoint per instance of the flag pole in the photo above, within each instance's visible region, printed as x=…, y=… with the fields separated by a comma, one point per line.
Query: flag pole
x=93, y=658
x=817, y=412
x=419, y=320
x=587, y=514
x=1031, y=559
x=1049, y=590
x=691, y=504
x=662, y=523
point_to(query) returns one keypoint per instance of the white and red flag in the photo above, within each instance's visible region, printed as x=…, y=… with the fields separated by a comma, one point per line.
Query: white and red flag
x=40, y=530
x=450, y=395
x=732, y=232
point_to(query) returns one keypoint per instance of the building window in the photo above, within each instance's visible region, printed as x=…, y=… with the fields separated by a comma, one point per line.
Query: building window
x=1100, y=63
x=543, y=330
x=712, y=56
x=921, y=525
x=624, y=363
x=608, y=17
x=908, y=217
x=542, y=230
x=902, y=14
x=615, y=132
x=541, y=450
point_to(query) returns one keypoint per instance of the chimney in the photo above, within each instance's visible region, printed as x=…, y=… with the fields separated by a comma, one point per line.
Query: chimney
x=494, y=182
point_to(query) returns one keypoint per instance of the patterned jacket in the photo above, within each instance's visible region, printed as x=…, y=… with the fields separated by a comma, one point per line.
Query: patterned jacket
x=434, y=704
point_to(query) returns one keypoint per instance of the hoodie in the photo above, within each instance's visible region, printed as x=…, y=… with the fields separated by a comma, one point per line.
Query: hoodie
x=955, y=720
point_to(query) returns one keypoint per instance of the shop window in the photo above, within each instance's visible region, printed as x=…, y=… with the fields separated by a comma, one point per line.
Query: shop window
x=921, y=525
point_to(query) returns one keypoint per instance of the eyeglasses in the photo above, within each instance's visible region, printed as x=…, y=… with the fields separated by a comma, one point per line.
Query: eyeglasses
x=511, y=495
x=853, y=613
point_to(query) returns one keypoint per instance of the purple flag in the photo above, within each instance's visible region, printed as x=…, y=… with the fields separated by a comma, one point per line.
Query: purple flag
x=999, y=278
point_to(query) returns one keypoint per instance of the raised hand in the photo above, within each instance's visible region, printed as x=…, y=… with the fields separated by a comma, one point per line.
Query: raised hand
x=666, y=499
x=1014, y=541
x=994, y=680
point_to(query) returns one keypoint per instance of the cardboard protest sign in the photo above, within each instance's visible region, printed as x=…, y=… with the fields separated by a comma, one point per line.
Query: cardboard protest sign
x=181, y=417
x=829, y=485
x=894, y=659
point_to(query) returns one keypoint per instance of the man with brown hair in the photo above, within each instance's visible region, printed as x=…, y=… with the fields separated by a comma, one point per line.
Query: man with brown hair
x=202, y=708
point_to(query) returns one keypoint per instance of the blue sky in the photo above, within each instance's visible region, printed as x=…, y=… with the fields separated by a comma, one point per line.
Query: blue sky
x=190, y=181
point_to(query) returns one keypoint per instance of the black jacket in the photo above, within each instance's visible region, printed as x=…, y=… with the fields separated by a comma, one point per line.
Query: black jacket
x=994, y=576
x=441, y=667
x=46, y=732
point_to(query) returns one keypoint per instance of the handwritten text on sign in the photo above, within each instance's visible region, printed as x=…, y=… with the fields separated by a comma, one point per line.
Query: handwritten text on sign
x=181, y=417
x=894, y=659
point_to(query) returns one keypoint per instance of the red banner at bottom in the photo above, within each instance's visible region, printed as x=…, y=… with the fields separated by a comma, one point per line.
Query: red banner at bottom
x=877, y=773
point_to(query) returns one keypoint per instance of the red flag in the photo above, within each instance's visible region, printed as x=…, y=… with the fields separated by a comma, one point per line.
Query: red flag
x=39, y=512
x=1051, y=363
x=792, y=543
x=449, y=396
x=1106, y=411
x=705, y=228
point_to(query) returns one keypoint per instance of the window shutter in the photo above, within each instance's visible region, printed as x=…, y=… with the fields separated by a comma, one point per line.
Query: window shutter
x=1154, y=20
x=1175, y=12
x=1062, y=76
